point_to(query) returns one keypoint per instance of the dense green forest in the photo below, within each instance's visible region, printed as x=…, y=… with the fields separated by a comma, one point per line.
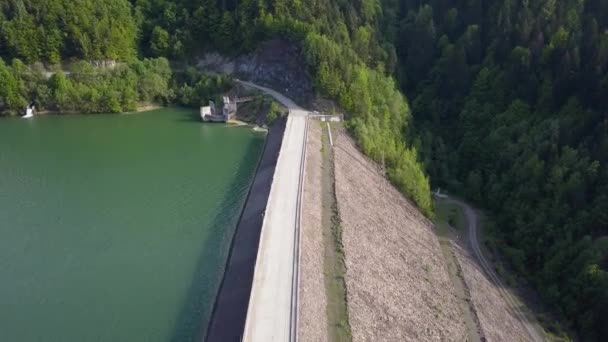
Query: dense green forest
x=510, y=105
x=85, y=89
x=507, y=101
x=52, y=30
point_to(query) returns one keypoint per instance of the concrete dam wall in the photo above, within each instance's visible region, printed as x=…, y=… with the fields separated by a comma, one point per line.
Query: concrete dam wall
x=230, y=310
x=258, y=296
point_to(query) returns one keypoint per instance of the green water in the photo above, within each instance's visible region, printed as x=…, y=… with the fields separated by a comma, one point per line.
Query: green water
x=116, y=227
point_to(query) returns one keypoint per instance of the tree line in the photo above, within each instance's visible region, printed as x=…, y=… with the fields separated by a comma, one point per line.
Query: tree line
x=85, y=89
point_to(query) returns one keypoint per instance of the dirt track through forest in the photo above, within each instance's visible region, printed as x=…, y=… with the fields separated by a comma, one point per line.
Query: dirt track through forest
x=527, y=322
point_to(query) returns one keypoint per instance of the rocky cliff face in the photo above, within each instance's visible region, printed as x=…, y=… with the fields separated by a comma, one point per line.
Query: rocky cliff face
x=276, y=64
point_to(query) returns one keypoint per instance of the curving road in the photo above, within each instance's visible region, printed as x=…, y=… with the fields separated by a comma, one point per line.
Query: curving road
x=272, y=312
x=472, y=219
x=294, y=109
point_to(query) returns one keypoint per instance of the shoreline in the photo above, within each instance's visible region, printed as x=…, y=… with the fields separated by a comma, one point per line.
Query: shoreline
x=252, y=125
x=141, y=108
x=144, y=108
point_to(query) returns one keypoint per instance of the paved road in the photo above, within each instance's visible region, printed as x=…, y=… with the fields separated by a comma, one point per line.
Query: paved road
x=272, y=304
x=294, y=109
x=473, y=219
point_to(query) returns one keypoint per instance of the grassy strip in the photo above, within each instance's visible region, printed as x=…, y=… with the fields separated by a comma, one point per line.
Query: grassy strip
x=334, y=265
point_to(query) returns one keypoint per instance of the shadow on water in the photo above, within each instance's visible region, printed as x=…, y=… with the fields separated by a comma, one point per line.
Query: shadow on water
x=198, y=303
x=190, y=116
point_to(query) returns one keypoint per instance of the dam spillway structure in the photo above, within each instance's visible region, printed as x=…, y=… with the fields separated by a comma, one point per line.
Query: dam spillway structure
x=229, y=110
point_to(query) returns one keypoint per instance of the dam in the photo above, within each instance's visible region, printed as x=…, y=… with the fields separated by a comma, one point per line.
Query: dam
x=258, y=298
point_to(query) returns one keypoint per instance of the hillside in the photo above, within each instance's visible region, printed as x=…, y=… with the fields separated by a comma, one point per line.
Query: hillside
x=507, y=101
x=396, y=278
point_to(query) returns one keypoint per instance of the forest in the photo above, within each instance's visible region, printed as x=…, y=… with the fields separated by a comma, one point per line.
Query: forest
x=85, y=89
x=506, y=101
x=509, y=100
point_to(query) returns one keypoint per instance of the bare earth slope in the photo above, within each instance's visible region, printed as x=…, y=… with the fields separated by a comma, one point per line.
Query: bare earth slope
x=501, y=314
x=397, y=280
x=497, y=321
x=312, y=319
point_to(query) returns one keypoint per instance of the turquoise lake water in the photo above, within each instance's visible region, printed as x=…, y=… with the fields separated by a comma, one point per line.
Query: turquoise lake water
x=117, y=227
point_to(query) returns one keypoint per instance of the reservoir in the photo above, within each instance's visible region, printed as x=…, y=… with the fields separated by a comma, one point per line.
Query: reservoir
x=117, y=227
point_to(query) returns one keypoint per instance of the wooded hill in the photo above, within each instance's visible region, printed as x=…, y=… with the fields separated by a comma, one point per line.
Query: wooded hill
x=508, y=102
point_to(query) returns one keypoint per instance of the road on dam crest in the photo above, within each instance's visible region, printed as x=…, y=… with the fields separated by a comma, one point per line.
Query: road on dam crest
x=272, y=310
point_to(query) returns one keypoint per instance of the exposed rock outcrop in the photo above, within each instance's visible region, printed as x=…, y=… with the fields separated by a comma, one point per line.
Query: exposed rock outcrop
x=276, y=64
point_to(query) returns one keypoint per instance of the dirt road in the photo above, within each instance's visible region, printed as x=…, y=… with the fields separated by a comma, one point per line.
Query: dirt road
x=473, y=230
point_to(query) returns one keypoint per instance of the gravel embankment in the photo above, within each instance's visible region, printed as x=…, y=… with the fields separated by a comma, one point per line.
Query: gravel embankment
x=397, y=280
x=313, y=301
x=497, y=321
